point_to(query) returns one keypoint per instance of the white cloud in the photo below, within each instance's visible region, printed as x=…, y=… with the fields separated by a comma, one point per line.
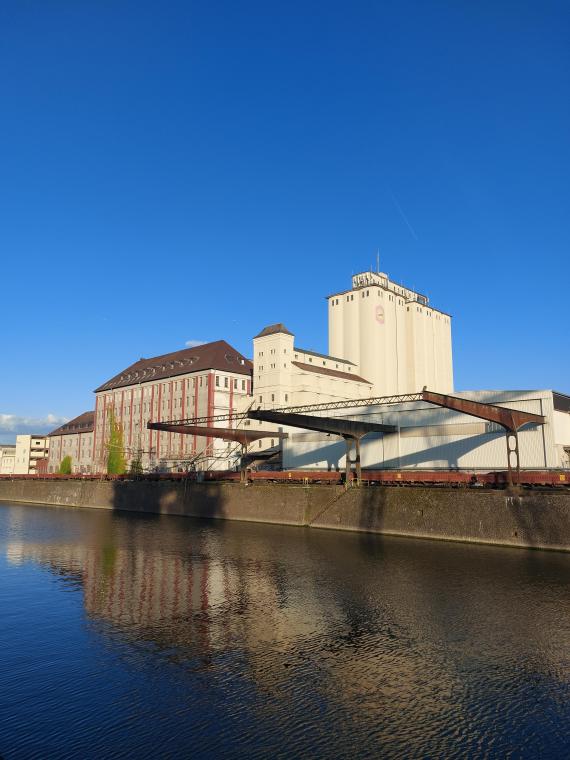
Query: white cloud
x=194, y=343
x=12, y=423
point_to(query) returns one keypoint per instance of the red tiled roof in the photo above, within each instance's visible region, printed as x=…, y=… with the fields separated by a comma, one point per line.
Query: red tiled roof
x=331, y=372
x=217, y=355
x=82, y=424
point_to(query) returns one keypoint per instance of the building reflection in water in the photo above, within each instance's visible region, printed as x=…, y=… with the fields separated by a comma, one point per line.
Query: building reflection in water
x=375, y=631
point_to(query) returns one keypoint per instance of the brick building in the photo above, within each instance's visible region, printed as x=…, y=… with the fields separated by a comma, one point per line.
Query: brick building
x=74, y=439
x=206, y=380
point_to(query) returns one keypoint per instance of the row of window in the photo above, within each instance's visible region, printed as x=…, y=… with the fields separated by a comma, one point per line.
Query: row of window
x=227, y=381
x=165, y=403
x=309, y=359
x=178, y=385
x=272, y=352
x=273, y=399
x=429, y=312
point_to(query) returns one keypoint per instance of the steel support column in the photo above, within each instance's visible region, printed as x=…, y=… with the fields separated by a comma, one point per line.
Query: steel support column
x=511, y=420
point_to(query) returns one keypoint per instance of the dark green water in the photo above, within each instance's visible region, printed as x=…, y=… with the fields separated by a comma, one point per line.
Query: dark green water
x=138, y=636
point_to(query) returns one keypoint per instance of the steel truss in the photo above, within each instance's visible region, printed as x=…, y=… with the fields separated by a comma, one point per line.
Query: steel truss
x=323, y=407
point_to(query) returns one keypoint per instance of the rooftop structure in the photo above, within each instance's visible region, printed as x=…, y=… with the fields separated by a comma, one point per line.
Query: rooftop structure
x=82, y=424
x=217, y=355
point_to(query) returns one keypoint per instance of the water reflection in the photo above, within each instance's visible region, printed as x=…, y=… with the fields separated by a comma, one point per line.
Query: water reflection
x=298, y=642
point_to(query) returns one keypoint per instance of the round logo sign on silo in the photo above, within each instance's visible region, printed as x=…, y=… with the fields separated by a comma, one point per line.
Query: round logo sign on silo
x=380, y=315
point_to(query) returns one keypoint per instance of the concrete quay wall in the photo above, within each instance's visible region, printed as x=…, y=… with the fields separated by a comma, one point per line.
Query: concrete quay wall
x=538, y=519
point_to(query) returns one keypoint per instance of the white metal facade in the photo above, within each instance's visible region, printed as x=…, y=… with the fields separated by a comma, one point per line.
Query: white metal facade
x=431, y=437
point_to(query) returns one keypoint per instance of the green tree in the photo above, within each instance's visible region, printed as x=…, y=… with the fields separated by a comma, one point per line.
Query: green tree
x=65, y=466
x=136, y=464
x=116, y=464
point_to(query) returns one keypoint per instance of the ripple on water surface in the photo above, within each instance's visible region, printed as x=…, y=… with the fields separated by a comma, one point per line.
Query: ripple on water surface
x=128, y=635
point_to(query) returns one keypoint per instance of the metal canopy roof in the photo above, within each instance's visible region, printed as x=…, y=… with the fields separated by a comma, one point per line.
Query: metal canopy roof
x=227, y=434
x=334, y=425
x=510, y=419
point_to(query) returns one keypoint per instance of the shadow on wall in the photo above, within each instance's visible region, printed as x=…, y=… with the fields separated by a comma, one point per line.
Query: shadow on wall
x=446, y=455
x=372, y=518
x=176, y=497
x=332, y=453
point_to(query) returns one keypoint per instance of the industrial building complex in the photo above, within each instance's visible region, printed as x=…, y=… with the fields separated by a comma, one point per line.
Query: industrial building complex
x=385, y=390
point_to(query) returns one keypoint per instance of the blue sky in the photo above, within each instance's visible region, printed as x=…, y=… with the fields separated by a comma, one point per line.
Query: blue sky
x=187, y=171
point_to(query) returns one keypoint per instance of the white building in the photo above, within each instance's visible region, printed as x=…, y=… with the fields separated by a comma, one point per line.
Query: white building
x=7, y=458
x=30, y=449
x=74, y=440
x=391, y=333
x=285, y=375
x=430, y=437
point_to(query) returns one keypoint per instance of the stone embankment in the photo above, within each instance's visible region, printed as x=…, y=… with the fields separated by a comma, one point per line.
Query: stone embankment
x=538, y=519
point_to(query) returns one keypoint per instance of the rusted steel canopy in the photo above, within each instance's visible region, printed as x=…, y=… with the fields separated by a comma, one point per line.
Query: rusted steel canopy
x=511, y=419
x=334, y=425
x=227, y=434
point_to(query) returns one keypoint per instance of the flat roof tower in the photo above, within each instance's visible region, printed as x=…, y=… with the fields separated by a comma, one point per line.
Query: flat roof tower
x=399, y=342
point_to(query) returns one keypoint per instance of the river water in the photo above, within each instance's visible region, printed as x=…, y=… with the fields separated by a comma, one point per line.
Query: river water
x=147, y=636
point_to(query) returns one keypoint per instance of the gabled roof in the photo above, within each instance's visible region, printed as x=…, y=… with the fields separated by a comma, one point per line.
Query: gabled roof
x=82, y=424
x=323, y=356
x=332, y=372
x=273, y=330
x=217, y=355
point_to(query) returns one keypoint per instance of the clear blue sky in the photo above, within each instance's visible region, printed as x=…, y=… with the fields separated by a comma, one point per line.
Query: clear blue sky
x=193, y=171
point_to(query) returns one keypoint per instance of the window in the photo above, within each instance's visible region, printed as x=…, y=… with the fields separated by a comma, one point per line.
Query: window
x=273, y=397
x=261, y=398
x=243, y=385
x=226, y=383
x=217, y=381
x=235, y=384
x=286, y=397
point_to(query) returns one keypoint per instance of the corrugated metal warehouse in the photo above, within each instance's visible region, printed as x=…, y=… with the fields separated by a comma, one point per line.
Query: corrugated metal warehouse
x=431, y=437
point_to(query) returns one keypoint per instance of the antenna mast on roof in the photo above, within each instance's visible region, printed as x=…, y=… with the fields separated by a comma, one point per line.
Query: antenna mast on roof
x=378, y=261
